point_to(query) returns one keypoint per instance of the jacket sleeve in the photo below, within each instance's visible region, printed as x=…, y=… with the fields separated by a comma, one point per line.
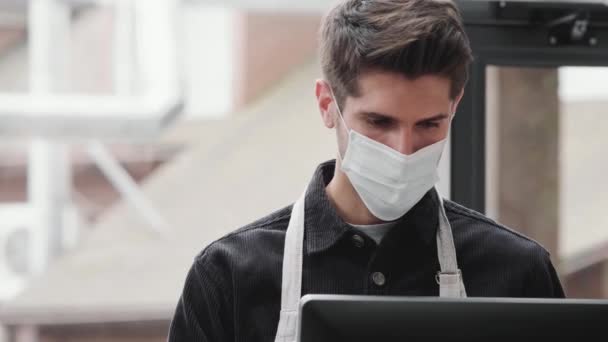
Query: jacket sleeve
x=202, y=312
x=543, y=280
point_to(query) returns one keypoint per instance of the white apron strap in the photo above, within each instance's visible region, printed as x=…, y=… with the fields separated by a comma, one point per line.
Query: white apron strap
x=291, y=284
x=449, y=278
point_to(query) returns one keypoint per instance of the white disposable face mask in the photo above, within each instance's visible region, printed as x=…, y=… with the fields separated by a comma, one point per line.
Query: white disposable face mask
x=389, y=183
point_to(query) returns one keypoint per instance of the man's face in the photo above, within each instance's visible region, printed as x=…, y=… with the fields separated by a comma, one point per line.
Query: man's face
x=406, y=115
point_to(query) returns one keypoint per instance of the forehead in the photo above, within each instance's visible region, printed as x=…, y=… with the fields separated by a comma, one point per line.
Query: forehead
x=396, y=95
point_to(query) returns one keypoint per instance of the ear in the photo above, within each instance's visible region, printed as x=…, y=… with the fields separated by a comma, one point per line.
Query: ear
x=324, y=102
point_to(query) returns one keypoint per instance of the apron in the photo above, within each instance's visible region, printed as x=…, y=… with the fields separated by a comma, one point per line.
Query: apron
x=449, y=278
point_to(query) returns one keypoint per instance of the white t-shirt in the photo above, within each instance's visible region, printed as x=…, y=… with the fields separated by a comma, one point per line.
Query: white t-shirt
x=376, y=231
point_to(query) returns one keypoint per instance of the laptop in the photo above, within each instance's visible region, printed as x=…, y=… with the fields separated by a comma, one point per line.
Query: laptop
x=337, y=318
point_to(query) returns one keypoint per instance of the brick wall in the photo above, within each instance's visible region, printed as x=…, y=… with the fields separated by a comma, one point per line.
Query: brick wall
x=269, y=46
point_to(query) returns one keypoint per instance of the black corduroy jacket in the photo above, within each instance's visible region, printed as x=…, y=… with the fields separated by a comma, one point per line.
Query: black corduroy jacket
x=232, y=291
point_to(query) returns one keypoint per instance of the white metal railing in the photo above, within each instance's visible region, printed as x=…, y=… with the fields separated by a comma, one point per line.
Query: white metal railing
x=14, y=217
x=147, y=98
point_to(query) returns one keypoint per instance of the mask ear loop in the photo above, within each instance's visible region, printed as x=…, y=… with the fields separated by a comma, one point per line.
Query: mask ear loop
x=338, y=109
x=341, y=118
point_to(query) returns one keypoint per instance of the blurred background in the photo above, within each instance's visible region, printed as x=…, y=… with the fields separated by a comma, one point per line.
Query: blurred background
x=133, y=133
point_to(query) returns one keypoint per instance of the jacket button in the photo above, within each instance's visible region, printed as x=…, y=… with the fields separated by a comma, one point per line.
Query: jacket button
x=358, y=241
x=378, y=278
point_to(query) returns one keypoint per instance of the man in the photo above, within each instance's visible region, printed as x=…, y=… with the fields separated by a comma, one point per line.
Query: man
x=370, y=222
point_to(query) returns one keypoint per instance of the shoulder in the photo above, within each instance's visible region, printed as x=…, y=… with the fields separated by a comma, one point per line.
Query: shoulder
x=490, y=245
x=261, y=235
x=474, y=228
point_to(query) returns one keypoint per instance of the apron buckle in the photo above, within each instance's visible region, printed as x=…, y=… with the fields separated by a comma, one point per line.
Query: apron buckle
x=457, y=273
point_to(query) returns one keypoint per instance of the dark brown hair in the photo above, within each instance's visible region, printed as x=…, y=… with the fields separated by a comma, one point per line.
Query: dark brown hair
x=410, y=37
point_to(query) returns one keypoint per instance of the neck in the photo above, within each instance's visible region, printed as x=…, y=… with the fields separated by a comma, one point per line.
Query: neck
x=346, y=201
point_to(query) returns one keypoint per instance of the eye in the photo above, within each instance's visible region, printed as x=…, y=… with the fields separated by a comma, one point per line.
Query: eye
x=379, y=122
x=428, y=124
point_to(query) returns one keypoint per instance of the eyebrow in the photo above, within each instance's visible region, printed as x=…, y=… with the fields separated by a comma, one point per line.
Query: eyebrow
x=374, y=115
x=440, y=116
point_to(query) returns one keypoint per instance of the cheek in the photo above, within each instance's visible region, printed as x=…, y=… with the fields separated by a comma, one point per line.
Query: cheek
x=425, y=137
x=432, y=136
x=441, y=132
